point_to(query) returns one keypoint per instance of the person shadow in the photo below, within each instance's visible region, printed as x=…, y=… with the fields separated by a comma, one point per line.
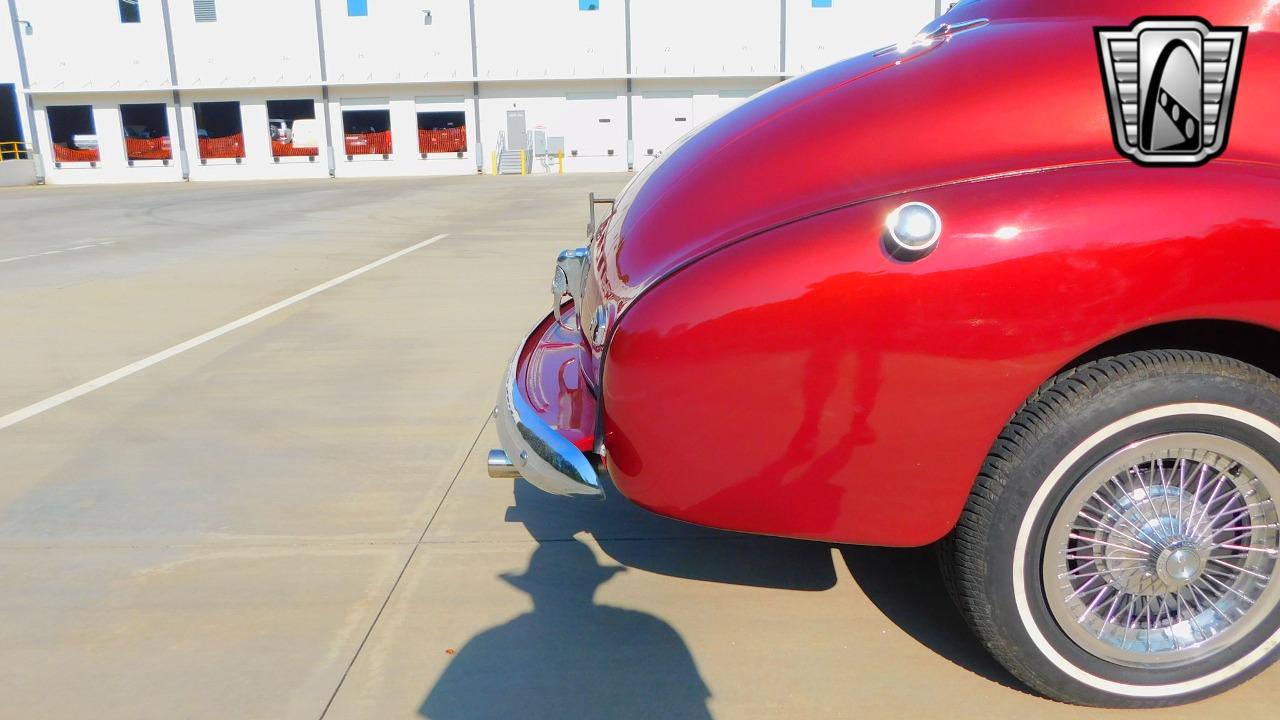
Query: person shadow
x=574, y=658
x=570, y=657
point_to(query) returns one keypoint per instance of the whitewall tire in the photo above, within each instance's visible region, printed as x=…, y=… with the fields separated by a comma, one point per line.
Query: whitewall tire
x=1119, y=545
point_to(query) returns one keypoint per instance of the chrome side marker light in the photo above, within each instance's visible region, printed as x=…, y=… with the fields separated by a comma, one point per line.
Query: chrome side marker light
x=912, y=231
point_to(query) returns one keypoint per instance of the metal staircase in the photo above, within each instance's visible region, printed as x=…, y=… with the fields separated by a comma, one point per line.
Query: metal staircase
x=510, y=162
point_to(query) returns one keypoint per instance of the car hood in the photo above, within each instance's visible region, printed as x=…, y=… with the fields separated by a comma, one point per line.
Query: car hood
x=1002, y=87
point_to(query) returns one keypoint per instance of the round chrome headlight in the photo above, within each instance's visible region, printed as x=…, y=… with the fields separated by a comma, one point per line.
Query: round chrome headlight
x=913, y=229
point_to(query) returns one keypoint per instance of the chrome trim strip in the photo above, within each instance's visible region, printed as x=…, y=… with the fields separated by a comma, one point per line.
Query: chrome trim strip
x=943, y=32
x=536, y=451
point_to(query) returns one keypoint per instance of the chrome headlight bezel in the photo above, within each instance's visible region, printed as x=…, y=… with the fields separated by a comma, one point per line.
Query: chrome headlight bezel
x=569, y=279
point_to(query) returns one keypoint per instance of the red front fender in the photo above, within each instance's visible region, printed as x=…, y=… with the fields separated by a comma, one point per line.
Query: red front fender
x=803, y=383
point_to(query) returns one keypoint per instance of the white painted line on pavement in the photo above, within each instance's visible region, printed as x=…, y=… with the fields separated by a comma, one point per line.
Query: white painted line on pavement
x=55, y=252
x=66, y=396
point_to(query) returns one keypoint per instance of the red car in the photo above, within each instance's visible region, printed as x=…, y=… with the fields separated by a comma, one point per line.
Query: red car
x=1012, y=287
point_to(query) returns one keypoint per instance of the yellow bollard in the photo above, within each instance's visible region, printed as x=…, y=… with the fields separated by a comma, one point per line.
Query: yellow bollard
x=493, y=161
x=560, y=157
x=523, y=169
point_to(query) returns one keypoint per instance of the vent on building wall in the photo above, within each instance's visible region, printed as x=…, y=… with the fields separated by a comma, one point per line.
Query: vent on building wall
x=206, y=11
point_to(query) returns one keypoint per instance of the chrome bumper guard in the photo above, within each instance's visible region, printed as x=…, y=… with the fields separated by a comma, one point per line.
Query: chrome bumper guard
x=533, y=450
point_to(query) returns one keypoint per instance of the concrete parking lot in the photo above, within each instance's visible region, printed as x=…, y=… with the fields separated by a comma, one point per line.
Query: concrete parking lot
x=290, y=517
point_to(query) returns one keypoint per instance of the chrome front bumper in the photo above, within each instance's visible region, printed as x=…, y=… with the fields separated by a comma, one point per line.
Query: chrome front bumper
x=534, y=450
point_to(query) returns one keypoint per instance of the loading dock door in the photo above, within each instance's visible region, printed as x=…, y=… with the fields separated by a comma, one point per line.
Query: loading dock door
x=662, y=117
x=516, y=138
x=10, y=125
x=595, y=124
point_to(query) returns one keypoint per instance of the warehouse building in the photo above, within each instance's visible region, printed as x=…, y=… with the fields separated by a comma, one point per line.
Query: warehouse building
x=166, y=90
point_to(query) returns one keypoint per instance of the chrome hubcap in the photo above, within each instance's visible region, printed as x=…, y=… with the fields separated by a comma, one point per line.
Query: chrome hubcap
x=1163, y=553
x=1178, y=567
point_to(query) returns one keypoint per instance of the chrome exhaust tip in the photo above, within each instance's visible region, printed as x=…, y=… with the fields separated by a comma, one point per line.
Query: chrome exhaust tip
x=500, y=466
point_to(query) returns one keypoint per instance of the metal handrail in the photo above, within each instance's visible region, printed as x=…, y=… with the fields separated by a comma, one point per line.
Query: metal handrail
x=14, y=150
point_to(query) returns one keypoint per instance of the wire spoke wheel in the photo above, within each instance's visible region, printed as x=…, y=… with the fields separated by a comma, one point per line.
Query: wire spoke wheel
x=1119, y=544
x=1164, y=553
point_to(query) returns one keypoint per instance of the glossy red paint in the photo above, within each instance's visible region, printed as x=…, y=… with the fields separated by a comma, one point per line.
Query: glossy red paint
x=802, y=383
x=549, y=373
x=773, y=370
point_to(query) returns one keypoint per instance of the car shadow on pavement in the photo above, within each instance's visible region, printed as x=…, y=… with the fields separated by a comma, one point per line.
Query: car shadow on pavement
x=642, y=540
x=905, y=585
x=570, y=657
